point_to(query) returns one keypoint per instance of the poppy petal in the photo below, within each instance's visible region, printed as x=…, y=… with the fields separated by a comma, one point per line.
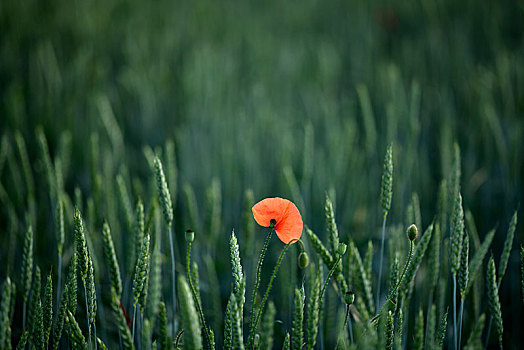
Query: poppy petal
x=268, y=209
x=290, y=226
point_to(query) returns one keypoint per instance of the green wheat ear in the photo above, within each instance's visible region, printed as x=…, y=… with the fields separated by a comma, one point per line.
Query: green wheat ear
x=287, y=344
x=228, y=323
x=165, y=341
x=77, y=338
x=118, y=314
x=111, y=259
x=48, y=308
x=139, y=228
x=91, y=293
x=464, y=267
x=331, y=226
x=312, y=308
x=81, y=246
x=236, y=324
x=155, y=281
x=27, y=264
x=141, y=272
x=268, y=326
x=474, y=340
x=493, y=298
x=35, y=309
x=189, y=316
x=72, y=285
x=297, y=332
x=418, y=341
x=431, y=321
x=238, y=275
x=163, y=191
x=390, y=335
x=60, y=318
x=442, y=329
x=457, y=234
x=386, y=188
x=475, y=266
x=23, y=340
x=508, y=243
x=5, y=319
x=360, y=278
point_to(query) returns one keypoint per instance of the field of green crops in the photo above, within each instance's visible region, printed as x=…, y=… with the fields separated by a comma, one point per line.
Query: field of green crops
x=123, y=124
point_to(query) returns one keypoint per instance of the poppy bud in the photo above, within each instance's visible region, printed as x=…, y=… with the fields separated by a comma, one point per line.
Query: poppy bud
x=412, y=232
x=190, y=235
x=303, y=260
x=349, y=297
x=342, y=247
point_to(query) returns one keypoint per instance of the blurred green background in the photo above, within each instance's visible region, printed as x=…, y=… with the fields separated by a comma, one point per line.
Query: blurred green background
x=288, y=98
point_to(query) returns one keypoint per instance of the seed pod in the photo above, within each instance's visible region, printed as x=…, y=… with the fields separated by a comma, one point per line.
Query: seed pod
x=190, y=236
x=349, y=298
x=303, y=260
x=412, y=232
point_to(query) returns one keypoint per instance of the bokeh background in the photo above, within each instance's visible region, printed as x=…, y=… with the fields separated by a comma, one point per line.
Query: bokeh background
x=288, y=98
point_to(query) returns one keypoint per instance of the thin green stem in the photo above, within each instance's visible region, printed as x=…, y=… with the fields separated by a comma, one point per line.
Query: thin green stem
x=134, y=323
x=87, y=316
x=327, y=280
x=24, y=312
x=381, y=261
x=94, y=332
x=173, y=279
x=195, y=296
x=59, y=281
x=394, y=291
x=275, y=271
x=455, y=310
x=257, y=279
x=347, y=322
x=489, y=325
x=461, y=313
x=489, y=332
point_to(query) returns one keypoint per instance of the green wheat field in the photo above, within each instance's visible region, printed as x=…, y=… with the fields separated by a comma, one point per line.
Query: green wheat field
x=136, y=137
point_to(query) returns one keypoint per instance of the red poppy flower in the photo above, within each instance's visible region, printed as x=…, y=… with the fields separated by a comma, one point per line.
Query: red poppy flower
x=286, y=215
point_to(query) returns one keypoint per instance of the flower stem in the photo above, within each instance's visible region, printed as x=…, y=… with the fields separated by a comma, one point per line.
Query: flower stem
x=87, y=315
x=257, y=279
x=275, y=271
x=195, y=296
x=327, y=280
x=394, y=291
